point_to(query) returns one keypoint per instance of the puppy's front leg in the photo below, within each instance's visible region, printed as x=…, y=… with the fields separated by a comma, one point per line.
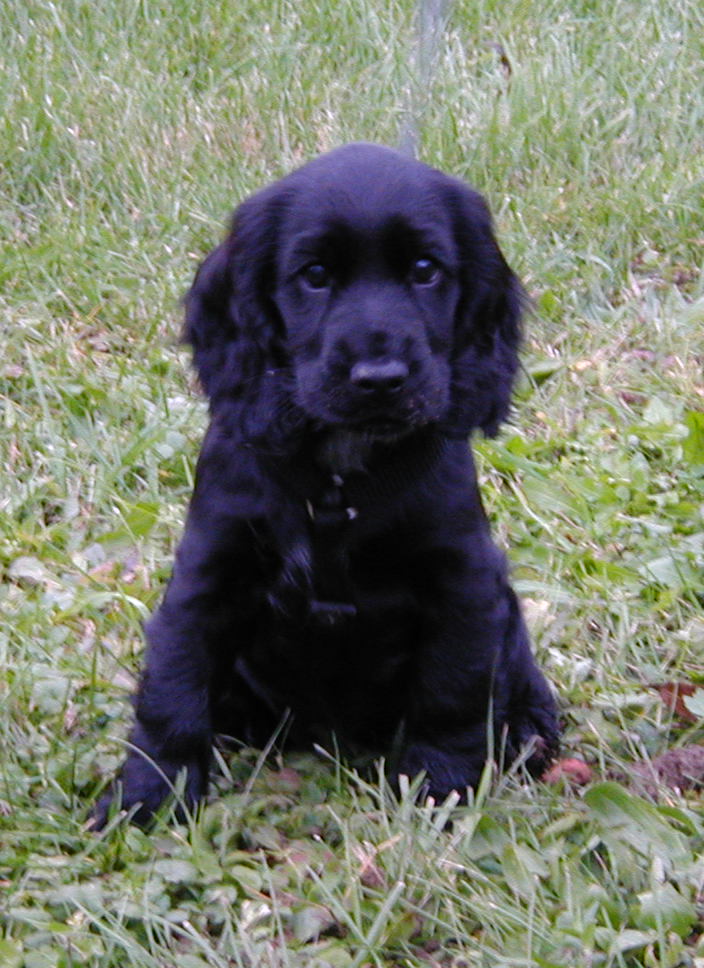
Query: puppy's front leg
x=172, y=732
x=478, y=690
x=192, y=645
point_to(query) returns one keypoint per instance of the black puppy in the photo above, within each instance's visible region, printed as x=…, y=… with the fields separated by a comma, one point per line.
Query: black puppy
x=356, y=325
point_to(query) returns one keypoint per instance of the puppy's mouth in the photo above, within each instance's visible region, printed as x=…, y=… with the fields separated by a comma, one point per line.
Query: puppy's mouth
x=382, y=423
x=376, y=429
x=384, y=428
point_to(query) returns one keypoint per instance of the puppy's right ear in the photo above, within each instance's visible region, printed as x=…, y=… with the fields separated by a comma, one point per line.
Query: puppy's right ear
x=231, y=320
x=210, y=324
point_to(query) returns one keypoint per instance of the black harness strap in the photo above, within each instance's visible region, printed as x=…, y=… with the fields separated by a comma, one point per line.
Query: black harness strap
x=330, y=521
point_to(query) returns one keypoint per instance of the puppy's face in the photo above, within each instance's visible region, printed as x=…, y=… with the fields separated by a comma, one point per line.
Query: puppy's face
x=364, y=292
x=367, y=289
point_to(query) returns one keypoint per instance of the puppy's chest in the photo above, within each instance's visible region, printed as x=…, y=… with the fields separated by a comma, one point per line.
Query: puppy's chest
x=343, y=565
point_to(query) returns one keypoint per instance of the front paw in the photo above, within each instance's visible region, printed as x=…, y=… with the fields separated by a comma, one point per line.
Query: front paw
x=445, y=770
x=145, y=785
x=535, y=731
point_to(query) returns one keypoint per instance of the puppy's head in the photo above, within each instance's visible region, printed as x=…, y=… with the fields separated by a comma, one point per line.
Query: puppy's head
x=363, y=292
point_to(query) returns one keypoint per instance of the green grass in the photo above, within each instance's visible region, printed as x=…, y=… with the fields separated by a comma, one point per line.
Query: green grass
x=127, y=132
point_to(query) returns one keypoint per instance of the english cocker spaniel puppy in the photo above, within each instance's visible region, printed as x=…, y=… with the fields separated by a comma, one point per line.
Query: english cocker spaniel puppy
x=357, y=324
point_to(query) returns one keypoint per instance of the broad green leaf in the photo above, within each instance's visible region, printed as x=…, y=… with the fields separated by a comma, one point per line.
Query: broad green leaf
x=695, y=703
x=628, y=940
x=658, y=412
x=523, y=868
x=550, y=497
x=139, y=519
x=44, y=957
x=326, y=954
x=49, y=692
x=10, y=954
x=693, y=446
x=176, y=871
x=664, y=906
x=634, y=821
x=542, y=369
x=549, y=302
x=664, y=570
x=29, y=569
x=173, y=443
x=248, y=877
x=311, y=921
x=488, y=837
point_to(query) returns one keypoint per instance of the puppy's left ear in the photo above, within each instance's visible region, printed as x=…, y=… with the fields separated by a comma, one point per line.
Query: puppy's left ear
x=488, y=320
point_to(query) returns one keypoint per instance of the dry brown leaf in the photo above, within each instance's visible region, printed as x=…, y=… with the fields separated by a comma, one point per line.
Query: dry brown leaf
x=571, y=769
x=673, y=693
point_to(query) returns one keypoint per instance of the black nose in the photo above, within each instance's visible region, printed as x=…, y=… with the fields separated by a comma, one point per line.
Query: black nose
x=379, y=377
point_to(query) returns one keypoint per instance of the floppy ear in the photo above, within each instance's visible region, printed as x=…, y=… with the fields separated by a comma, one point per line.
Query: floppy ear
x=233, y=325
x=487, y=324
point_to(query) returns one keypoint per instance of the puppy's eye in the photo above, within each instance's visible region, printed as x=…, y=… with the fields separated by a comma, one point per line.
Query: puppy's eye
x=424, y=272
x=316, y=276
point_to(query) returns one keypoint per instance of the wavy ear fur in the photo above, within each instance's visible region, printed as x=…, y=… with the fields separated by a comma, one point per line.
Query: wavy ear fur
x=233, y=325
x=488, y=321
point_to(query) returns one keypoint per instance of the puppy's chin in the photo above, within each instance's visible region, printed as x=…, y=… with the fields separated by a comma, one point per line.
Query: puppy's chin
x=345, y=449
x=384, y=430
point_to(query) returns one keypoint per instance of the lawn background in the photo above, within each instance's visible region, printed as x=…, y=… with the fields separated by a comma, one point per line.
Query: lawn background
x=128, y=131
